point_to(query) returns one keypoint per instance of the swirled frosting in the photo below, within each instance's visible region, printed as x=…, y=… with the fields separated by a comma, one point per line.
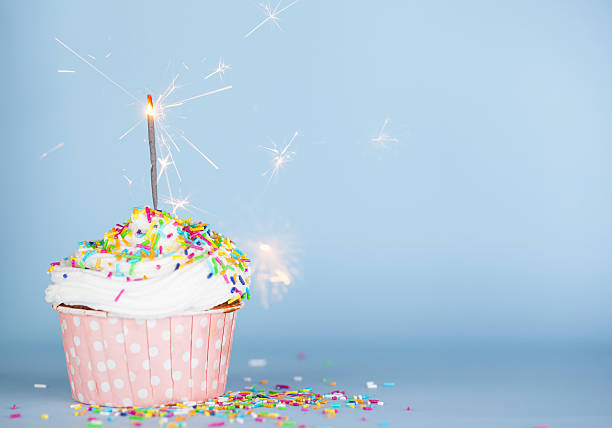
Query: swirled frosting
x=153, y=265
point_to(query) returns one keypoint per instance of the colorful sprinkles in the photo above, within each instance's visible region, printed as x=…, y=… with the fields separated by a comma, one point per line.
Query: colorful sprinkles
x=153, y=242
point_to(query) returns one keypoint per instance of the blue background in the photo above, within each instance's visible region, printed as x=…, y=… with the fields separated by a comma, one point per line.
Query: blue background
x=486, y=226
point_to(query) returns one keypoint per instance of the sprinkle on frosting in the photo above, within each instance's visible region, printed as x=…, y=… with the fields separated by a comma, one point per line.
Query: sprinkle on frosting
x=152, y=243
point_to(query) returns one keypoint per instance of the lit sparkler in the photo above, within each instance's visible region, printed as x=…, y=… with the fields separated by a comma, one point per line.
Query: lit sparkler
x=271, y=15
x=54, y=148
x=383, y=138
x=167, y=138
x=221, y=69
x=280, y=157
x=274, y=268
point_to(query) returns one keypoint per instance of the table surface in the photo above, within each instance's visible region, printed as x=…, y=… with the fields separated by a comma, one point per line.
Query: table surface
x=454, y=387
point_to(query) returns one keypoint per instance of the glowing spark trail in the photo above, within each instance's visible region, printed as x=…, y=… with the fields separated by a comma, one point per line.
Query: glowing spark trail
x=65, y=71
x=54, y=148
x=97, y=69
x=180, y=103
x=271, y=15
x=280, y=157
x=198, y=150
x=131, y=129
x=221, y=69
x=383, y=138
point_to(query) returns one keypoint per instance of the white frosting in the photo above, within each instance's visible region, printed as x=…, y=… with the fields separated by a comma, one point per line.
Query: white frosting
x=180, y=277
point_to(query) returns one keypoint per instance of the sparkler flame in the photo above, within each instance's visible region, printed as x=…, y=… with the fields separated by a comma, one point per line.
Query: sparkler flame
x=274, y=268
x=150, y=111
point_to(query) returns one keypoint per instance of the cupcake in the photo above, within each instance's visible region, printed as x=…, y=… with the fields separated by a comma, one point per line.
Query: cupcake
x=147, y=314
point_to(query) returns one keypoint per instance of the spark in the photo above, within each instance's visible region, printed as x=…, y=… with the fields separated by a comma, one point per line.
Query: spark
x=383, y=138
x=65, y=71
x=180, y=103
x=54, y=148
x=221, y=69
x=185, y=65
x=128, y=179
x=280, y=157
x=178, y=204
x=271, y=15
x=97, y=70
x=108, y=55
x=199, y=151
x=274, y=266
x=164, y=164
x=91, y=56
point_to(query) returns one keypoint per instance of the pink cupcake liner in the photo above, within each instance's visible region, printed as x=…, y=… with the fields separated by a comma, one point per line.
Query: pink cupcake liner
x=122, y=362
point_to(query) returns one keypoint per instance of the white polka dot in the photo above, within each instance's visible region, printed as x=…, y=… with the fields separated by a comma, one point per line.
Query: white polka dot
x=118, y=383
x=186, y=356
x=127, y=402
x=194, y=363
x=91, y=385
x=88, y=364
x=145, y=364
x=77, y=321
x=140, y=322
x=203, y=386
x=204, y=322
x=94, y=325
x=72, y=370
x=219, y=323
x=151, y=323
x=199, y=342
x=72, y=352
x=190, y=383
x=218, y=344
x=113, y=320
x=216, y=365
x=169, y=393
x=105, y=387
x=119, y=338
x=111, y=364
x=97, y=345
x=77, y=340
x=177, y=375
x=154, y=380
x=215, y=383
x=179, y=329
x=167, y=364
x=101, y=366
x=153, y=351
x=132, y=376
x=80, y=396
x=166, y=335
x=142, y=393
x=135, y=348
x=77, y=360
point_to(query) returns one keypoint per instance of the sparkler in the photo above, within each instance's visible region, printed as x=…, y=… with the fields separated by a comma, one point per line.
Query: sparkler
x=158, y=117
x=280, y=157
x=54, y=148
x=153, y=155
x=271, y=15
x=275, y=267
x=383, y=138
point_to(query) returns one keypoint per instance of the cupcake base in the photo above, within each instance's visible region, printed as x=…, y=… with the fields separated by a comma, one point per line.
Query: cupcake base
x=122, y=362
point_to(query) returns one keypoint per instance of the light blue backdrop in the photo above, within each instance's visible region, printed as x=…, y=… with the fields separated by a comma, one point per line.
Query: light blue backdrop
x=488, y=221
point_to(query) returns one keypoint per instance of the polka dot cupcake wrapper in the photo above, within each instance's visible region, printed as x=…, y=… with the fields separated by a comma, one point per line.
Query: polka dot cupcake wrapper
x=125, y=362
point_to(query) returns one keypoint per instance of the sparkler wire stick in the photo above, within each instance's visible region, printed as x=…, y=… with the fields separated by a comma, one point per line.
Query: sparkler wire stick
x=153, y=155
